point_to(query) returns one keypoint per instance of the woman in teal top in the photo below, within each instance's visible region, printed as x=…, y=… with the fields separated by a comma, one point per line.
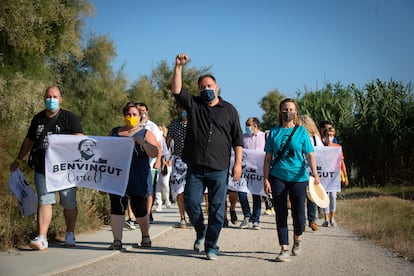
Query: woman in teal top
x=289, y=174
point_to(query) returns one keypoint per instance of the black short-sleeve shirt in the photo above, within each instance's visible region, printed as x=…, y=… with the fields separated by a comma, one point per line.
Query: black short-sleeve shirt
x=67, y=123
x=211, y=132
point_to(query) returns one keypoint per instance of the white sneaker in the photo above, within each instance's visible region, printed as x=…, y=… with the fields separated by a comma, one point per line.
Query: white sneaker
x=39, y=243
x=168, y=204
x=283, y=256
x=158, y=209
x=70, y=239
x=245, y=224
x=256, y=226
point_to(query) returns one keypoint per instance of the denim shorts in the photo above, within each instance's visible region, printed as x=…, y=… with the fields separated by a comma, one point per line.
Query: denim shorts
x=67, y=196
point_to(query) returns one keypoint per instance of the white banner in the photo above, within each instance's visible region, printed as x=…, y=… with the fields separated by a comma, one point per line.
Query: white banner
x=178, y=175
x=96, y=162
x=327, y=160
x=328, y=163
x=251, y=180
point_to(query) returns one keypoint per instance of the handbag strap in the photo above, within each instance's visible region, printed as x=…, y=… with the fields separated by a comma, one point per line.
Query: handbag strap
x=282, y=150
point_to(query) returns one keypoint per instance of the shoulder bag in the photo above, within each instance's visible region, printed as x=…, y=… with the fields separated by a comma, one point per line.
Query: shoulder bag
x=282, y=150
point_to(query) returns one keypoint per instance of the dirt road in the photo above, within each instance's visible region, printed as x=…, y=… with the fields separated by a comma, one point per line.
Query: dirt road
x=329, y=251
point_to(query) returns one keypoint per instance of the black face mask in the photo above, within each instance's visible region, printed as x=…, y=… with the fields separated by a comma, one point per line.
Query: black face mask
x=288, y=116
x=207, y=95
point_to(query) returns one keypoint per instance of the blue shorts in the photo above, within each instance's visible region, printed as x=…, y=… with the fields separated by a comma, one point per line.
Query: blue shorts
x=67, y=196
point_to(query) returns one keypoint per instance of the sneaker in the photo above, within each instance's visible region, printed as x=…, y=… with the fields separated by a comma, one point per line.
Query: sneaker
x=168, y=204
x=211, y=255
x=39, y=243
x=333, y=222
x=283, y=256
x=256, y=226
x=182, y=224
x=199, y=245
x=245, y=224
x=233, y=216
x=313, y=226
x=296, y=248
x=70, y=239
x=158, y=208
x=130, y=224
x=325, y=224
x=270, y=212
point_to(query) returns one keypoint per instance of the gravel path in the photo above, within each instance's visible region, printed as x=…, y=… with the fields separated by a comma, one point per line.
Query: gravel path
x=329, y=251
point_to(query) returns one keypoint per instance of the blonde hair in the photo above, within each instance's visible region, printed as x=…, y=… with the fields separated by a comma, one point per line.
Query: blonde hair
x=310, y=125
x=163, y=129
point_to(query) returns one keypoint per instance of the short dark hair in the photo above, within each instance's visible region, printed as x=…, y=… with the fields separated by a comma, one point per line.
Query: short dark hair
x=206, y=76
x=323, y=123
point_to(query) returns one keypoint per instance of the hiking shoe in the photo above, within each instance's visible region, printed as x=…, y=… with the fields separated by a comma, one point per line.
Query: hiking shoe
x=256, y=226
x=130, y=224
x=283, y=256
x=70, y=239
x=39, y=243
x=313, y=226
x=325, y=224
x=199, y=245
x=296, y=248
x=245, y=224
x=211, y=255
x=233, y=217
x=182, y=224
x=333, y=222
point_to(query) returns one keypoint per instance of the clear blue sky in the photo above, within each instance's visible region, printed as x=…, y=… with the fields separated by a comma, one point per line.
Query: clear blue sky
x=256, y=46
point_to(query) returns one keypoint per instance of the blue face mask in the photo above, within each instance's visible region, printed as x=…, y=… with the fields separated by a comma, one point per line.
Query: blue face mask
x=249, y=130
x=207, y=95
x=184, y=114
x=52, y=104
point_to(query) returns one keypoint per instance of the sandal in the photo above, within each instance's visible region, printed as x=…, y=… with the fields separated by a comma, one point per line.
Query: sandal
x=116, y=245
x=146, y=241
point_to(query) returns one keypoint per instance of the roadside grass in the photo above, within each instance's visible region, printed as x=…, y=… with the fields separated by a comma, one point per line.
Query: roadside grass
x=16, y=230
x=384, y=216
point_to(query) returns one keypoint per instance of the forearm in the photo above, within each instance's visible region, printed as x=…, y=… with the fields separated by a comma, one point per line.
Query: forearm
x=24, y=149
x=176, y=85
x=238, y=155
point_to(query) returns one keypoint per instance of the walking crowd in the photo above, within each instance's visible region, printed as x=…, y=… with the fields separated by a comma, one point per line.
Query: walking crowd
x=188, y=163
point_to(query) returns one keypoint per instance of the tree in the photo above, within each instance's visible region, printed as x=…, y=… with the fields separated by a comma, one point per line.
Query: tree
x=94, y=92
x=270, y=105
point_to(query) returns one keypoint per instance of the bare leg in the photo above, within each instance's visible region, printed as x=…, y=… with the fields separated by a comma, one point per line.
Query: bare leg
x=131, y=215
x=180, y=204
x=44, y=218
x=117, y=224
x=71, y=216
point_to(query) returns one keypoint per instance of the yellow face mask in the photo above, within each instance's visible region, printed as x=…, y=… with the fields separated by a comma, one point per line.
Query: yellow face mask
x=131, y=121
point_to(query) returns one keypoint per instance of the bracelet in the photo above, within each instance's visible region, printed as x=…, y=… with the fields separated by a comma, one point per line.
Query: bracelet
x=18, y=160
